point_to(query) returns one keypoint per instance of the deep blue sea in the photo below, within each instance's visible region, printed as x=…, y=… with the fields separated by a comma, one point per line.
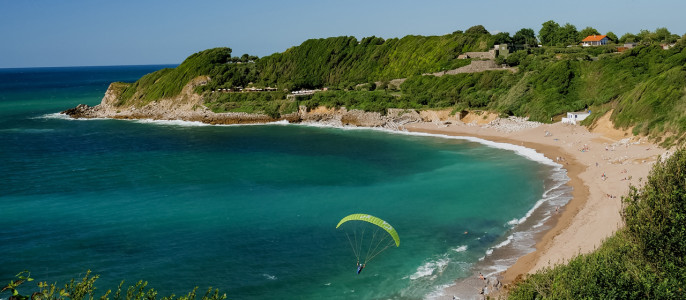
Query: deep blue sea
x=250, y=210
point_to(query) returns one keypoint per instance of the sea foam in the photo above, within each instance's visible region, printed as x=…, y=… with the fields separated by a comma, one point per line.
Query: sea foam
x=171, y=122
x=61, y=116
x=462, y=248
x=270, y=277
x=55, y=116
x=528, y=153
x=430, y=268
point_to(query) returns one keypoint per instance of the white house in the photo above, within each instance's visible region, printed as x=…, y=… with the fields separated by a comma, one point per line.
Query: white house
x=595, y=40
x=574, y=117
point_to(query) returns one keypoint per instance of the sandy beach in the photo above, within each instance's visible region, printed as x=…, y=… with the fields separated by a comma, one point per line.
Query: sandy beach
x=601, y=164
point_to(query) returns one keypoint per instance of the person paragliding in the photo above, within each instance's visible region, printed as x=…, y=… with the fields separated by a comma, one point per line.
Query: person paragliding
x=368, y=237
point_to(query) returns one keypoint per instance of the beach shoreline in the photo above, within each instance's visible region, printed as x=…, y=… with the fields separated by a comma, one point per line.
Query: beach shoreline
x=601, y=165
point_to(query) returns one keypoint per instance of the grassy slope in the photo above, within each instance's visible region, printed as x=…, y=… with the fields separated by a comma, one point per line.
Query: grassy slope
x=644, y=85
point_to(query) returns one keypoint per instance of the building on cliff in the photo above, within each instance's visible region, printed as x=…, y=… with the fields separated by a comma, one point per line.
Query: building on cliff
x=574, y=117
x=595, y=40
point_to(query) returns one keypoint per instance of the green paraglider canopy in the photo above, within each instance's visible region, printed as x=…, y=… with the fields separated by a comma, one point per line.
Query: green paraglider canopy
x=374, y=220
x=368, y=235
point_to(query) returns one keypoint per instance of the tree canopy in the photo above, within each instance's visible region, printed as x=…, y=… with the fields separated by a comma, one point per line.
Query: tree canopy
x=588, y=31
x=525, y=36
x=478, y=29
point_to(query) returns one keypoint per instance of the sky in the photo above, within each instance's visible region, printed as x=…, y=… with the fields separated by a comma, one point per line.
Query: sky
x=51, y=33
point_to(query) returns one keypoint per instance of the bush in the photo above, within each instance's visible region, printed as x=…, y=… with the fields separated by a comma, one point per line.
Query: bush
x=85, y=289
x=656, y=217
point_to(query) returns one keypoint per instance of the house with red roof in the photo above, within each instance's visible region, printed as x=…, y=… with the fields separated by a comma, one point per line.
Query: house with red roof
x=595, y=40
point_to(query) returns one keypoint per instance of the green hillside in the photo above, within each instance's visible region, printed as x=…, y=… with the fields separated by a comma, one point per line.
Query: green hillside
x=644, y=85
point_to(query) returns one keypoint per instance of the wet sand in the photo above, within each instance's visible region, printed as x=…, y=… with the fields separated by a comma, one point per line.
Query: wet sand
x=600, y=165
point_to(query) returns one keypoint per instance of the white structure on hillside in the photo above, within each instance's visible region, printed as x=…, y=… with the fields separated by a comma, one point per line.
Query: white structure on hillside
x=574, y=117
x=595, y=40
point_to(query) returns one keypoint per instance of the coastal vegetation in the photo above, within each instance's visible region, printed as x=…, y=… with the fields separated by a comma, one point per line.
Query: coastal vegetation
x=644, y=84
x=643, y=260
x=85, y=289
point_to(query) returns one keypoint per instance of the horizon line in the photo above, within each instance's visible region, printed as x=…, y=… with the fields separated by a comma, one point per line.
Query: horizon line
x=89, y=66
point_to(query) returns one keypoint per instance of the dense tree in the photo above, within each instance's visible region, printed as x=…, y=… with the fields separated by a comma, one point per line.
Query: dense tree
x=477, y=29
x=660, y=35
x=548, y=35
x=612, y=36
x=663, y=35
x=568, y=35
x=551, y=34
x=502, y=38
x=628, y=38
x=646, y=36
x=587, y=32
x=525, y=36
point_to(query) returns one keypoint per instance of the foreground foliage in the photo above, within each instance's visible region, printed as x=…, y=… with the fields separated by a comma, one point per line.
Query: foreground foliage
x=644, y=260
x=85, y=289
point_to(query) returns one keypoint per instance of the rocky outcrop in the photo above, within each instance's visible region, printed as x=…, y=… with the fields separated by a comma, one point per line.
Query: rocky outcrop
x=189, y=106
x=474, y=67
x=394, y=119
x=80, y=111
x=512, y=124
x=482, y=55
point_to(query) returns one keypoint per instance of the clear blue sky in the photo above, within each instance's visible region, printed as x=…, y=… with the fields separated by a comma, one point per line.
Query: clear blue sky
x=46, y=33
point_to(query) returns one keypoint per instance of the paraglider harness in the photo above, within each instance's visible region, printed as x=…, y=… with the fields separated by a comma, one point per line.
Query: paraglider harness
x=360, y=267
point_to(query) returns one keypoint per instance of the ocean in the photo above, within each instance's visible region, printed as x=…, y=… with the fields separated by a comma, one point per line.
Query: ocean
x=250, y=209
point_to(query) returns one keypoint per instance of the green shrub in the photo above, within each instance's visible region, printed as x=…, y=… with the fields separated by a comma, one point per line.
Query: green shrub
x=644, y=260
x=656, y=216
x=84, y=289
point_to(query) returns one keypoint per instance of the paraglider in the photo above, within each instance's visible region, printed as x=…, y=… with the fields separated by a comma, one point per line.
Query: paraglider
x=368, y=236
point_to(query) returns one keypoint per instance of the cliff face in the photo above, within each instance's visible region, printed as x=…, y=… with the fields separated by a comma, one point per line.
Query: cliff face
x=188, y=106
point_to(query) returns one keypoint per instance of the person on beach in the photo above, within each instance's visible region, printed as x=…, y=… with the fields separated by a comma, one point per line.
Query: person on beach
x=360, y=267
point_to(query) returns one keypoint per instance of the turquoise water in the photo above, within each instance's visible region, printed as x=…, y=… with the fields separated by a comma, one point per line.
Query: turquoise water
x=250, y=210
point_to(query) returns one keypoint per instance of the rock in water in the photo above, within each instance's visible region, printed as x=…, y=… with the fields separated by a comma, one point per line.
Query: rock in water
x=80, y=111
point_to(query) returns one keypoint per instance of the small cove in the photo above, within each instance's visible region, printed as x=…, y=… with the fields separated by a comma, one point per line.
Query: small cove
x=250, y=210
